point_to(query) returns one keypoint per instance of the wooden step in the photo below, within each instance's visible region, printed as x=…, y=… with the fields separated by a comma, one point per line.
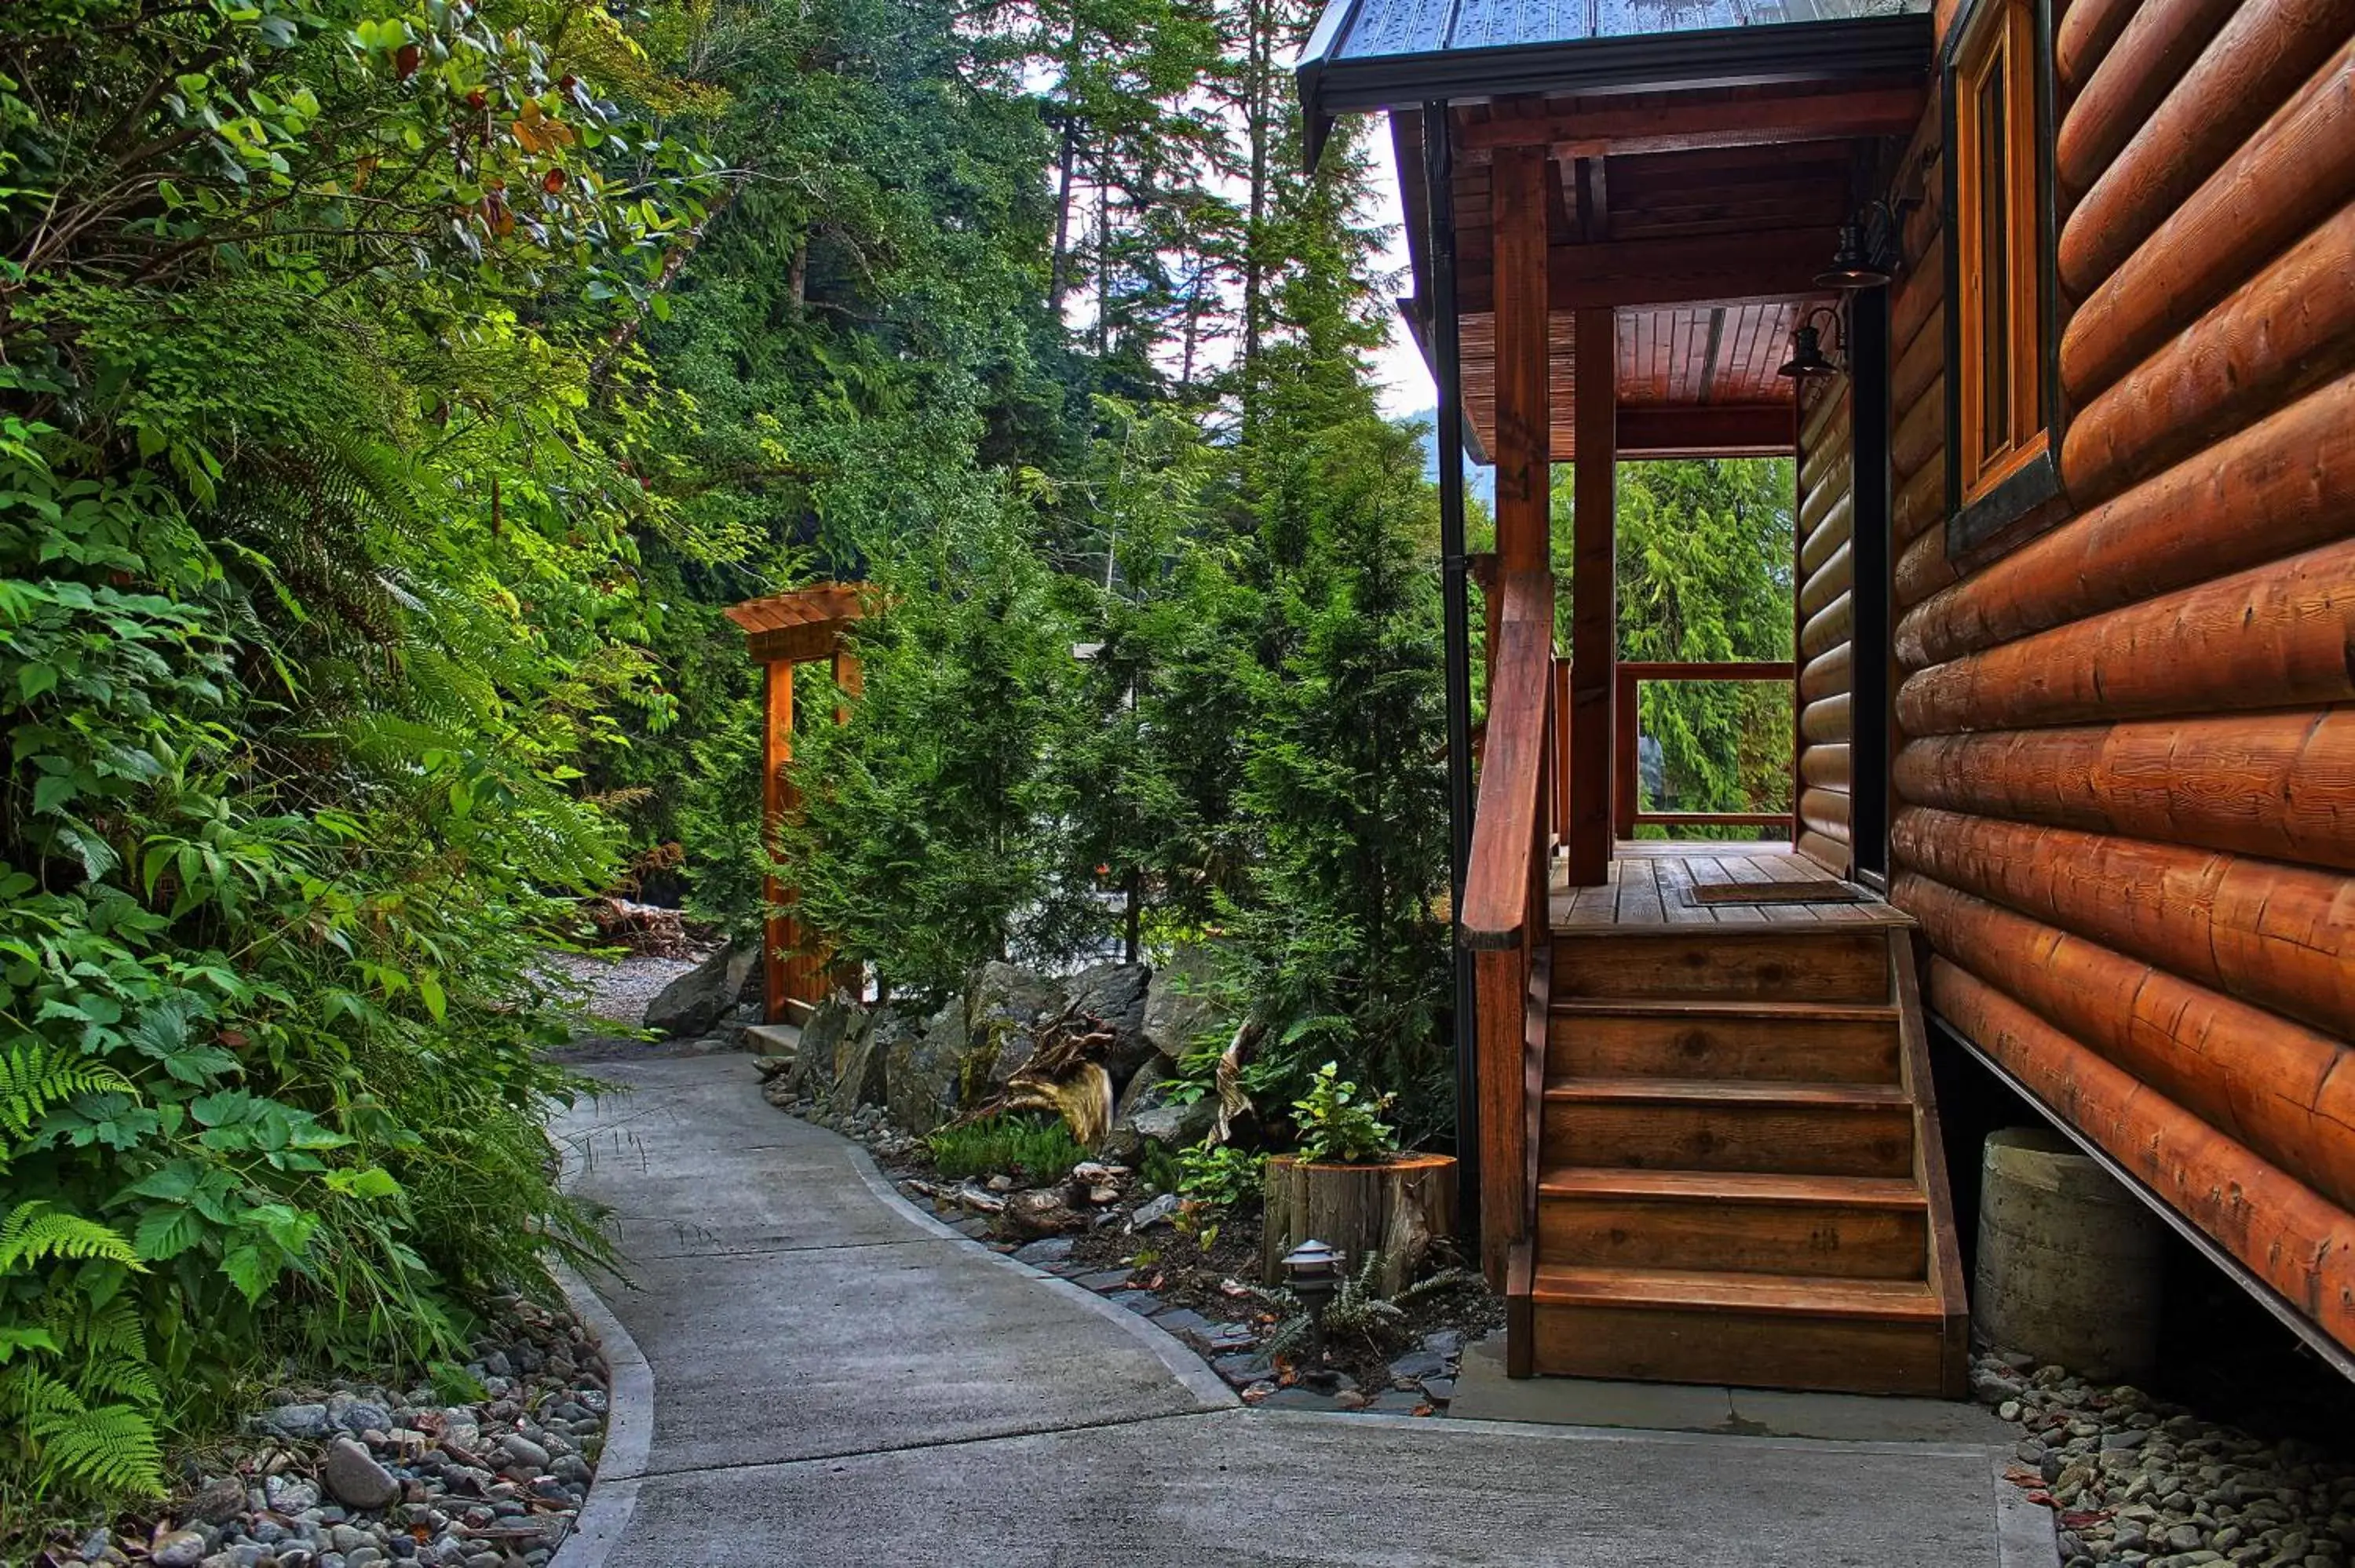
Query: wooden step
x=1740, y=1222
x=1875, y=1336
x=1713, y=962
x=1798, y=1042
x=1674, y=1123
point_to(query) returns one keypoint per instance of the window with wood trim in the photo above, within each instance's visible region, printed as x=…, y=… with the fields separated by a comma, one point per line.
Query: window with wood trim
x=1998, y=283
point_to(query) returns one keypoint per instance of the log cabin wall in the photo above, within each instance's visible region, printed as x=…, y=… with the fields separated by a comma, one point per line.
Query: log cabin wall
x=2126, y=773
x=1826, y=618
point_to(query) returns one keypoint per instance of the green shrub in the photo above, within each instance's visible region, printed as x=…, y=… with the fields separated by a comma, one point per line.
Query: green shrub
x=1220, y=1174
x=1340, y=1123
x=1040, y=1150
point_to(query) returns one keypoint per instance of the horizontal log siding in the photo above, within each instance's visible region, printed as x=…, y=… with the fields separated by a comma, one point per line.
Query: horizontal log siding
x=1827, y=611
x=2126, y=780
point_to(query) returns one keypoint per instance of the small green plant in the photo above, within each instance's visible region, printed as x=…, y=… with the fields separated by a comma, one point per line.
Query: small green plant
x=1039, y=1150
x=1158, y=1170
x=1219, y=1174
x=1339, y=1123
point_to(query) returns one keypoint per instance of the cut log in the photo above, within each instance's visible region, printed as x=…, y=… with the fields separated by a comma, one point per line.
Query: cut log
x=2274, y=636
x=2287, y=330
x=2153, y=51
x=1835, y=576
x=2290, y=1235
x=1921, y=502
x=2286, y=483
x=2087, y=31
x=1921, y=431
x=2255, y=64
x=1919, y=362
x=1922, y=569
x=2284, y=1090
x=1827, y=626
x=2277, y=935
x=1919, y=292
x=2284, y=180
x=1826, y=672
x=1826, y=811
x=1826, y=765
x=1828, y=718
x=1396, y=1209
x=2280, y=785
x=1834, y=524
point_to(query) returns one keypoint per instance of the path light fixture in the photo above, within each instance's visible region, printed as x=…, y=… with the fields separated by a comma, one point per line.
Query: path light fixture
x=1313, y=1270
x=1807, y=355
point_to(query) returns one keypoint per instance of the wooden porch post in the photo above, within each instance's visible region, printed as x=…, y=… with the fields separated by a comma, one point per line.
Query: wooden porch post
x=1517, y=181
x=776, y=751
x=1593, y=616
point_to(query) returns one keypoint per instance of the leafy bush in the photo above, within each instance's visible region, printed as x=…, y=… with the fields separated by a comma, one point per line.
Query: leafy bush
x=1220, y=1174
x=315, y=584
x=1037, y=1149
x=1339, y=1123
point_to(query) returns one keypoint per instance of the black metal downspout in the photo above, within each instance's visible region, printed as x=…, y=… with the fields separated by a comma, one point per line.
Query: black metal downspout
x=1869, y=408
x=1447, y=438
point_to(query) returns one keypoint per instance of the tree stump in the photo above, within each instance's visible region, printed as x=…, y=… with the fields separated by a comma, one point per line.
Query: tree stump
x=1397, y=1209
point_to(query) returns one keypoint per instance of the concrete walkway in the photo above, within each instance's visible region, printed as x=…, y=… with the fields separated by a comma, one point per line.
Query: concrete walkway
x=835, y=1379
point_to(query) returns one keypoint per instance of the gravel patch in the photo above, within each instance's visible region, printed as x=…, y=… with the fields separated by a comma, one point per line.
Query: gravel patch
x=618, y=988
x=2136, y=1479
x=350, y=1475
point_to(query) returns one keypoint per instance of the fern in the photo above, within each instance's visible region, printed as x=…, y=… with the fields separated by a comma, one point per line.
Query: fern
x=34, y=1078
x=110, y=1449
x=32, y=1232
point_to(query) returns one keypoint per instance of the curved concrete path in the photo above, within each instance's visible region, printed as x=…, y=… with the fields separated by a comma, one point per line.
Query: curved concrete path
x=836, y=1379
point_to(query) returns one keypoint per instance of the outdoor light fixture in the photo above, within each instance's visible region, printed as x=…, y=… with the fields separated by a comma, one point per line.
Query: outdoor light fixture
x=1862, y=261
x=1807, y=355
x=1313, y=1270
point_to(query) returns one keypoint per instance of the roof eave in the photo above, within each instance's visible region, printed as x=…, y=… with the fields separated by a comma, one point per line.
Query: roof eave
x=1891, y=45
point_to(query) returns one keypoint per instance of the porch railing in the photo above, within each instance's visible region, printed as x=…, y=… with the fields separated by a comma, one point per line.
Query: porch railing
x=1626, y=779
x=1503, y=915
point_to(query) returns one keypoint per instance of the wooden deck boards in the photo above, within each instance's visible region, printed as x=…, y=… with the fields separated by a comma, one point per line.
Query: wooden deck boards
x=1650, y=880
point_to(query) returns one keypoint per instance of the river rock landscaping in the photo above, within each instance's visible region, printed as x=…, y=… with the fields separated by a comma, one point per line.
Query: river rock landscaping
x=346, y=1474
x=2136, y=1479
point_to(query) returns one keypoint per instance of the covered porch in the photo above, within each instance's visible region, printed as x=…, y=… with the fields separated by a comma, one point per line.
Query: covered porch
x=1695, y=1082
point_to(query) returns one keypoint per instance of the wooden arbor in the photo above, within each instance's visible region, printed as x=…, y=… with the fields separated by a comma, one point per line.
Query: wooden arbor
x=782, y=631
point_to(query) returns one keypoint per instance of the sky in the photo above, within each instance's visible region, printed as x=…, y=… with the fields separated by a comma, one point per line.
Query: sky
x=1398, y=369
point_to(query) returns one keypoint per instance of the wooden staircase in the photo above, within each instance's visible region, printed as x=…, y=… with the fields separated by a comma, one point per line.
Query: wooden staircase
x=1739, y=1177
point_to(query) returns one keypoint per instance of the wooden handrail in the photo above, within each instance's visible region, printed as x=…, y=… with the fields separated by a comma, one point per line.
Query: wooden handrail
x=1503, y=908
x=1509, y=817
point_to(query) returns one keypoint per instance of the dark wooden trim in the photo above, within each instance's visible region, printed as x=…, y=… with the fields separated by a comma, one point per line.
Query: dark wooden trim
x=1712, y=430
x=1507, y=826
x=1945, y=1260
x=2035, y=485
x=1594, y=620
x=1870, y=555
x=1439, y=252
x=1766, y=264
x=1615, y=127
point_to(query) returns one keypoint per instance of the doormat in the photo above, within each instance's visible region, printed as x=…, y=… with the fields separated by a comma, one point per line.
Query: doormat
x=1777, y=893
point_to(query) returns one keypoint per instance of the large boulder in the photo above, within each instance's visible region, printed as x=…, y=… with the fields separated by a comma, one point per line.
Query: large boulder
x=828, y=1025
x=1145, y=1114
x=860, y=1061
x=1113, y=995
x=692, y=1003
x=1004, y=1008
x=1179, y=1001
x=924, y=1078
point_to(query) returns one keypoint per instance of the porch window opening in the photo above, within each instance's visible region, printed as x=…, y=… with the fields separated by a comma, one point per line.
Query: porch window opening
x=2001, y=367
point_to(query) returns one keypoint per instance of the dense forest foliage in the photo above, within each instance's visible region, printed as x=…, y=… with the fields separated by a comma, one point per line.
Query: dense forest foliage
x=392, y=395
